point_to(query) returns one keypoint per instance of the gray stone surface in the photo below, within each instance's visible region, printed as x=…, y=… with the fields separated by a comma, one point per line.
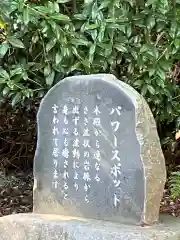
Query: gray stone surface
x=122, y=155
x=48, y=227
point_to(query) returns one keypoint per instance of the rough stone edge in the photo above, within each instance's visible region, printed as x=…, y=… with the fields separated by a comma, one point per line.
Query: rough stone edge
x=151, y=208
x=31, y=226
x=138, y=101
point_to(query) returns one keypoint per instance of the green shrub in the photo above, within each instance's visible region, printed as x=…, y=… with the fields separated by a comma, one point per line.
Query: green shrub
x=174, y=183
x=138, y=41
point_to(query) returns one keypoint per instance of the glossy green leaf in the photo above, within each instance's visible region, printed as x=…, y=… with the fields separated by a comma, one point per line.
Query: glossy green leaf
x=76, y=66
x=3, y=49
x=86, y=63
x=16, y=71
x=26, y=17
x=150, y=22
x=144, y=90
x=50, y=78
x=16, y=42
x=101, y=33
x=79, y=17
x=20, y=4
x=165, y=65
x=75, y=52
x=88, y=1
x=80, y=42
x=58, y=58
x=129, y=31
x=161, y=73
x=16, y=99
x=144, y=48
x=134, y=54
x=120, y=48
x=51, y=6
x=63, y=1
x=90, y=26
x=94, y=34
x=36, y=67
x=104, y=4
x=42, y=9
x=138, y=83
x=177, y=42
x=91, y=52
x=56, y=7
x=5, y=91
x=151, y=89
x=3, y=73
x=150, y=2
x=2, y=80
x=60, y=17
x=151, y=71
x=160, y=26
x=51, y=44
x=160, y=82
x=47, y=70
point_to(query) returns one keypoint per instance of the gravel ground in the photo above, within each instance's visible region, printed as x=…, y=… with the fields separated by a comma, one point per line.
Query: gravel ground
x=16, y=193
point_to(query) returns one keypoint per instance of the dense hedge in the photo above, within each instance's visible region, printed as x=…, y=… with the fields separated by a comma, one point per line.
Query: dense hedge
x=138, y=41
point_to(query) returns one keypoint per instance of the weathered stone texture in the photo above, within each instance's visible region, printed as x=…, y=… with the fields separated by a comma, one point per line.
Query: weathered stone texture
x=49, y=227
x=137, y=186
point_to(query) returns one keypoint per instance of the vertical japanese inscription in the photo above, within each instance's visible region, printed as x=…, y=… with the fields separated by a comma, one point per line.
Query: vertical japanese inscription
x=75, y=146
x=97, y=154
x=116, y=161
x=89, y=158
x=65, y=151
x=86, y=149
x=55, y=152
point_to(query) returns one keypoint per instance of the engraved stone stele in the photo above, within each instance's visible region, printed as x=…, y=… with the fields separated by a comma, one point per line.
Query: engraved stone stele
x=98, y=153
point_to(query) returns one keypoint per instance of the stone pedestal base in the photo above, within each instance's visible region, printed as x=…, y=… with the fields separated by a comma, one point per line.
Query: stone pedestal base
x=52, y=227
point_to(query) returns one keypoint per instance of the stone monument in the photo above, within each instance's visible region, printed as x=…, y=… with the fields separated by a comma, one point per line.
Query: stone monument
x=98, y=153
x=99, y=171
